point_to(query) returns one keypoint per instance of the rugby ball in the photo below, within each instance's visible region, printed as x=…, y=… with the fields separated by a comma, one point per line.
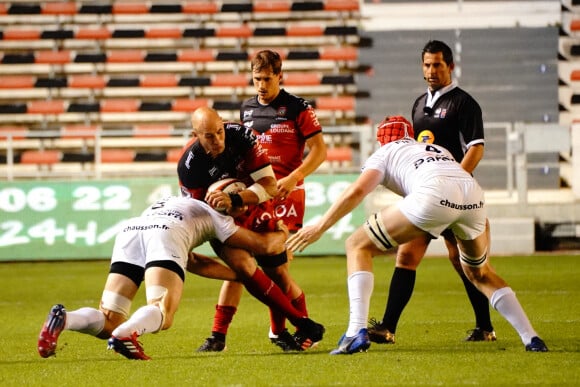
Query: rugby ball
x=228, y=185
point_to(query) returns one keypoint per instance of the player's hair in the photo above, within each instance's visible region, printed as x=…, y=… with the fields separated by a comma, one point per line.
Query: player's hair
x=434, y=46
x=267, y=58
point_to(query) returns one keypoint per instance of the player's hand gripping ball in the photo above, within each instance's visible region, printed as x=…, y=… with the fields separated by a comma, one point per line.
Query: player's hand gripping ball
x=227, y=186
x=393, y=128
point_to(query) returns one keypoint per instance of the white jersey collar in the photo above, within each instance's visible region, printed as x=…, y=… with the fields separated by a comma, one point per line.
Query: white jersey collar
x=432, y=98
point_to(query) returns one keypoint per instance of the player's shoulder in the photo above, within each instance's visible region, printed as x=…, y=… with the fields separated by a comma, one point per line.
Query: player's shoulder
x=292, y=100
x=460, y=93
x=234, y=129
x=233, y=126
x=250, y=103
x=237, y=133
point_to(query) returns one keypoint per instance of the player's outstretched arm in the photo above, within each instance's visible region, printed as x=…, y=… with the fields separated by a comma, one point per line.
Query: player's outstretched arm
x=210, y=268
x=348, y=200
x=265, y=243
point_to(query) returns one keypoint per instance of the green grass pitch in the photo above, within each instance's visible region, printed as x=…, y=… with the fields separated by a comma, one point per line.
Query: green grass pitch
x=429, y=349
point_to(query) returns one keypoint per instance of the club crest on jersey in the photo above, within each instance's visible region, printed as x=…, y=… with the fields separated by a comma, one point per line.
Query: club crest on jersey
x=426, y=136
x=282, y=111
x=440, y=113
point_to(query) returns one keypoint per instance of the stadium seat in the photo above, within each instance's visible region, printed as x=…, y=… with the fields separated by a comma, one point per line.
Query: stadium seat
x=272, y=6
x=41, y=157
x=339, y=154
x=52, y=57
x=17, y=82
x=93, y=33
x=119, y=106
x=117, y=155
x=129, y=8
x=152, y=130
x=345, y=103
x=196, y=56
x=79, y=131
x=173, y=155
x=125, y=56
x=188, y=105
x=46, y=107
x=87, y=81
x=341, y=5
x=301, y=30
x=339, y=53
x=301, y=79
x=198, y=7
x=172, y=33
x=230, y=80
x=339, y=158
x=158, y=80
x=20, y=34
x=59, y=8
x=17, y=132
x=242, y=31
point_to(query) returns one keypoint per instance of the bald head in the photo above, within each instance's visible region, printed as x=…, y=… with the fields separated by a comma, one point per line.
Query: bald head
x=208, y=127
x=205, y=117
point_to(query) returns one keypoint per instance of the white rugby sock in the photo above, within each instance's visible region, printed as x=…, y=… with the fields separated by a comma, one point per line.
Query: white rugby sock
x=360, y=289
x=504, y=300
x=146, y=319
x=85, y=320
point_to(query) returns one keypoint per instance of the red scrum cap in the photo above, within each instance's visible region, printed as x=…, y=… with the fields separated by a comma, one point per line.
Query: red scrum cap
x=393, y=128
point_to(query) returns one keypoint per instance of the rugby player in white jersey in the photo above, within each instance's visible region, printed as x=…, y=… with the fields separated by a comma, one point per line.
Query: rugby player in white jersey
x=437, y=194
x=155, y=247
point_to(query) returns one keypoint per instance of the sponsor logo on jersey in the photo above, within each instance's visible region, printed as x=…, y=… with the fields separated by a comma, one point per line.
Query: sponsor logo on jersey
x=281, y=128
x=431, y=159
x=249, y=124
x=426, y=136
x=472, y=206
x=169, y=213
x=265, y=138
x=248, y=113
x=145, y=228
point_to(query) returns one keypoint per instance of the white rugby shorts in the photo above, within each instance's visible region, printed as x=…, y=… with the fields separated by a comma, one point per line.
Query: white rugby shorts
x=151, y=239
x=447, y=202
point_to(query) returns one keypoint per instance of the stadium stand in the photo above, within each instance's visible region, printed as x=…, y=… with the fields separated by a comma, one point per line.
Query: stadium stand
x=79, y=79
x=102, y=70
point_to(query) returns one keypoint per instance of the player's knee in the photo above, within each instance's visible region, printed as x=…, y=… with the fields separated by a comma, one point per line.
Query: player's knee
x=474, y=267
x=375, y=233
x=157, y=295
x=476, y=262
x=350, y=244
x=408, y=259
x=116, y=309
